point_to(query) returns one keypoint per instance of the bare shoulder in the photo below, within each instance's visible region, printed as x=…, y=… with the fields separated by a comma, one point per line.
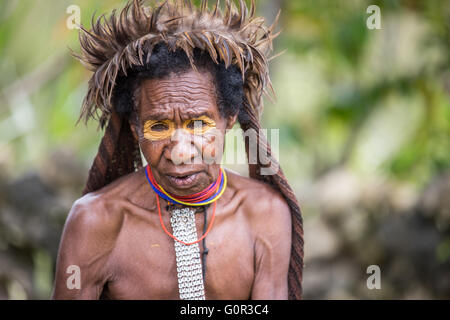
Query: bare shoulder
x=264, y=205
x=94, y=215
x=95, y=220
x=89, y=239
x=269, y=219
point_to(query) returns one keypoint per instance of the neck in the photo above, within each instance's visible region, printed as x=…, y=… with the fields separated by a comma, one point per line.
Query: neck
x=209, y=195
x=169, y=206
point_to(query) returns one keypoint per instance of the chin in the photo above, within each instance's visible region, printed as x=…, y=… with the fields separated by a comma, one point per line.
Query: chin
x=185, y=185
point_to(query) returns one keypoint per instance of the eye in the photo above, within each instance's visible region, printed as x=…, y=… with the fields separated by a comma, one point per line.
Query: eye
x=159, y=126
x=192, y=123
x=199, y=125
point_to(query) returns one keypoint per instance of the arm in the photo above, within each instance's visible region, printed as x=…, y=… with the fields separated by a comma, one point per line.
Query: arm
x=272, y=248
x=86, y=243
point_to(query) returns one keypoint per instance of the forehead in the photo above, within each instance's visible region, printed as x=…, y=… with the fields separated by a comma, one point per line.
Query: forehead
x=189, y=94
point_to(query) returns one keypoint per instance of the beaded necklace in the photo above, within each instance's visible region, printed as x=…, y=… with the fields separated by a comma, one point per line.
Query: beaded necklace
x=213, y=192
x=187, y=251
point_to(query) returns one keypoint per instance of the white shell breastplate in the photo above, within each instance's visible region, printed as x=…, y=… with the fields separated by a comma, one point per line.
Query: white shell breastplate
x=189, y=265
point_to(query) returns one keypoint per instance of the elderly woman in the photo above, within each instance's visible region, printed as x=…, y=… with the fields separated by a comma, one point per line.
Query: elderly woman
x=169, y=81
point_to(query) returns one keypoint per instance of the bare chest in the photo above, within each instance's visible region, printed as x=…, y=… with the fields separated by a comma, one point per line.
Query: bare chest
x=144, y=262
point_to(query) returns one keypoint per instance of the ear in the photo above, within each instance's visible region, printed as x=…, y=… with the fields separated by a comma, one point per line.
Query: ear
x=231, y=120
x=133, y=127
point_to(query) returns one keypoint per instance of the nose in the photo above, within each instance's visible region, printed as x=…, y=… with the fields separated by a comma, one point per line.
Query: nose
x=182, y=149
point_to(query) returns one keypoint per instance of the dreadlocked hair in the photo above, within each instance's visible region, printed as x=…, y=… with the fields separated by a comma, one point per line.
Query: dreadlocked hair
x=119, y=49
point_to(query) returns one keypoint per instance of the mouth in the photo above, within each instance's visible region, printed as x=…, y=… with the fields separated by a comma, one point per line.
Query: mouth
x=185, y=180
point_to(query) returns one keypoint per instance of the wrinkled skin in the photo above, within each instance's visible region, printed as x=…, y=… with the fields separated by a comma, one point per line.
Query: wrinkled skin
x=114, y=234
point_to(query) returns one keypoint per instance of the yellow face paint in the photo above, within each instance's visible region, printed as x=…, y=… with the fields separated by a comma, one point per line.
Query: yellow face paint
x=158, y=129
x=164, y=129
x=199, y=125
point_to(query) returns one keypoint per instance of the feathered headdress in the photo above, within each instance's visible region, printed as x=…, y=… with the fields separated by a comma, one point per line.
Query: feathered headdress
x=125, y=40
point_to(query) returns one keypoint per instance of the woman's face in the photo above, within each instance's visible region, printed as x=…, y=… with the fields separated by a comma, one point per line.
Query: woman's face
x=181, y=131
